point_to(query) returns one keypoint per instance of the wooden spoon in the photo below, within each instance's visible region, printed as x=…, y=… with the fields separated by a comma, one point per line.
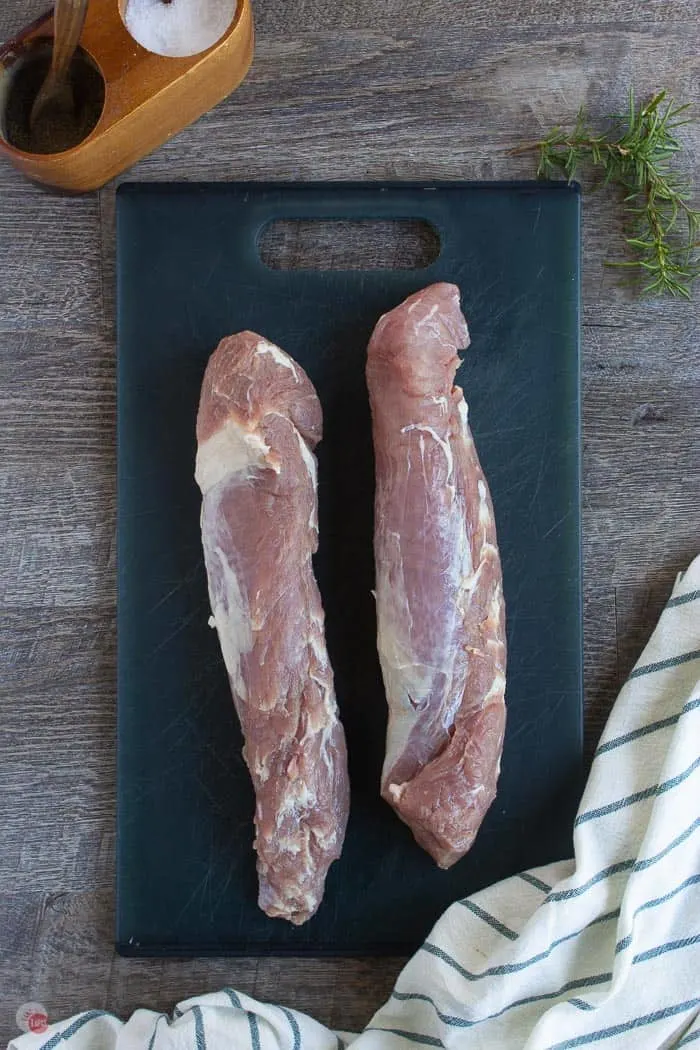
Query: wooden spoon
x=57, y=91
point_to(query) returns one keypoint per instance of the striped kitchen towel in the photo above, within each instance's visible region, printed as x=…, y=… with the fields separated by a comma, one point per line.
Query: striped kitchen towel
x=602, y=949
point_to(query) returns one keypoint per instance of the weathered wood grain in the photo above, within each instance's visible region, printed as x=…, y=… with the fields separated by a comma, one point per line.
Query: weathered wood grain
x=50, y=266
x=308, y=16
x=377, y=104
x=290, y=244
x=72, y=963
x=72, y=562
x=395, y=88
x=63, y=384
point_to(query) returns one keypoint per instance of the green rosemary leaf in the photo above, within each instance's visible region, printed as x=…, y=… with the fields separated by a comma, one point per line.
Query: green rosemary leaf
x=635, y=153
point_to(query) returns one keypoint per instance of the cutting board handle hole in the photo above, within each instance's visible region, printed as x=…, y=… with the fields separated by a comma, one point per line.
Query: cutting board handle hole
x=348, y=244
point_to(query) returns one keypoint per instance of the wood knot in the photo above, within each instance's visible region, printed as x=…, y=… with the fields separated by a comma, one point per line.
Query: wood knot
x=648, y=414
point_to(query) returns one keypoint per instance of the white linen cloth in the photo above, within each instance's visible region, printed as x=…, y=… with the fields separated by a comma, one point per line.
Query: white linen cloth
x=600, y=950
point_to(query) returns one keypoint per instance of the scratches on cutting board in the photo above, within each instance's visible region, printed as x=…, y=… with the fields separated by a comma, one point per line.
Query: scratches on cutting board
x=202, y=887
x=540, y=472
x=184, y=623
x=511, y=306
x=537, y=222
x=557, y=524
x=188, y=578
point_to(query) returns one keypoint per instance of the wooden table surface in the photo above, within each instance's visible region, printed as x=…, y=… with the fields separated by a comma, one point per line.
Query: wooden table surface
x=342, y=89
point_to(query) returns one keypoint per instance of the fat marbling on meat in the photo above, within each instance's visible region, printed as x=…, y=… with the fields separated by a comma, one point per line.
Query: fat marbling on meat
x=440, y=609
x=258, y=423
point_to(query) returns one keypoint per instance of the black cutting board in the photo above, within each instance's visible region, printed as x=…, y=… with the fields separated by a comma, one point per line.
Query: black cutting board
x=189, y=273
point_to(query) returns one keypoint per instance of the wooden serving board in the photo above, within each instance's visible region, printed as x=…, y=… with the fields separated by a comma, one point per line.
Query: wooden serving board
x=189, y=273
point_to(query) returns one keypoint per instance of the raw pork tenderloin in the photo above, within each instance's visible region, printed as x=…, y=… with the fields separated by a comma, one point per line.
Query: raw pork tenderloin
x=440, y=609
x=259, y=421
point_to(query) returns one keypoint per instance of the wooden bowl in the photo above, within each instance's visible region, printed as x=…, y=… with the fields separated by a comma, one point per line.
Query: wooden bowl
x=147, y=98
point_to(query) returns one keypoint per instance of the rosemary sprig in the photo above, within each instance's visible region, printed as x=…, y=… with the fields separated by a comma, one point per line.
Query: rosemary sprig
x=635, y=153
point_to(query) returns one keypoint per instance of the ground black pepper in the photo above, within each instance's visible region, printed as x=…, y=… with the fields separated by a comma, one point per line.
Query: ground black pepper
x=55, y=130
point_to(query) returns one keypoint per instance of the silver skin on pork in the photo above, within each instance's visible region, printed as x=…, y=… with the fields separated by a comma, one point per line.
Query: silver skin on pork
x=259, y=421
x=440, y=608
